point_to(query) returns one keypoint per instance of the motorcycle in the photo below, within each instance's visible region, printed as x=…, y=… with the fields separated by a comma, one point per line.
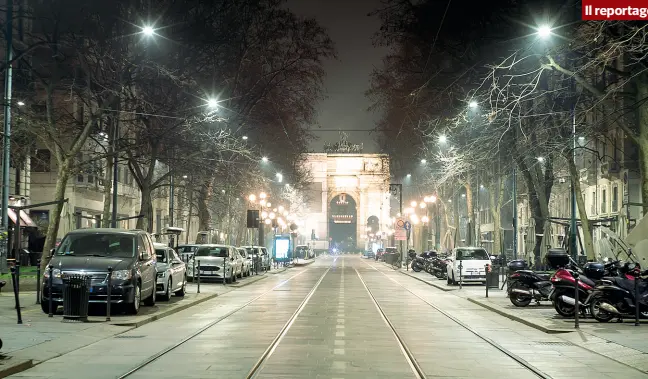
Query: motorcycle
x=419, y=262
x=615, y=297
x=564, y=282
x=438, y=267
x=527, y=285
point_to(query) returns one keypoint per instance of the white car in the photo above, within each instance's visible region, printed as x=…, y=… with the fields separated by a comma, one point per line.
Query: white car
x=247, y=261
x=473, y=261
x=262, y=252
x=171, y=272
x=216, y=262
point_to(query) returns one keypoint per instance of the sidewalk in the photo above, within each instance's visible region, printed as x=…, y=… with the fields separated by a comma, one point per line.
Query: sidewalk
x=41, y=338
x=622, y=342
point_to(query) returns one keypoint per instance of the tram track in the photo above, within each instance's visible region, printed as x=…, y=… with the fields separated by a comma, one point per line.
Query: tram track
x=412, y=357
x=267, y=353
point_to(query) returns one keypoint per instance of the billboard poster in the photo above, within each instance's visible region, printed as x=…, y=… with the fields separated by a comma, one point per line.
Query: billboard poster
x=282, y=249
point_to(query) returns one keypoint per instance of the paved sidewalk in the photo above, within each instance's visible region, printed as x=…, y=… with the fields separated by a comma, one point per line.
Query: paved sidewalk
x=622, y=342
x=41, y=338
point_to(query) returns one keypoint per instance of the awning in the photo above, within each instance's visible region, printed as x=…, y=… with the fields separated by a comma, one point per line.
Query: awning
x=25, y=220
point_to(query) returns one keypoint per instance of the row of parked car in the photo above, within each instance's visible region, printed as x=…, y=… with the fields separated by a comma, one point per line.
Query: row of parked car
x=140, y=269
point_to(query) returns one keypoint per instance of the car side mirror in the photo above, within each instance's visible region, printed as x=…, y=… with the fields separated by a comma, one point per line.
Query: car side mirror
x=51, y=252
x=143, y=256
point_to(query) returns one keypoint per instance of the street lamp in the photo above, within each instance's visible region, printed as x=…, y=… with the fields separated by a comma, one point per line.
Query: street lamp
x=413, y=204
x=422, y=205
x=423, y=161
x=443, y=138
x=279, y=177
x=252, y=198
x=265, y=159
x=212, y=103
x=473, y=104
x=409, y=175
x=21, y=103
x=148, y=31
x=540, y=159
x=544, y=31
x=425, y=219
x=245, y=138
x=262, y=195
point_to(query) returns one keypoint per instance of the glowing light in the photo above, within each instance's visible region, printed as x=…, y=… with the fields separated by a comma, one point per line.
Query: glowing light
x=423, y=205
x=252, y=198
x=443, y=139
x=544, y=31
x=413, y=204
x=148, y=31
x=264, y=159
x=212, y=103
x=425, y=219
x=473, y=104
x=262, y=195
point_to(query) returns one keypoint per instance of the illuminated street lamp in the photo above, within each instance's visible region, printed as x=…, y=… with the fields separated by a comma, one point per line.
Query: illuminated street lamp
x=280, y=208
x=544, y=31
x=425, y=219
x=473, y=104
x=262, y=195
x=148, y=31
x=272, y=215
x=264, y=159
x=268, y=221
x=413, y=204
x=422, y=205
x=443, y=139
x=212, y=103
x=252, y=198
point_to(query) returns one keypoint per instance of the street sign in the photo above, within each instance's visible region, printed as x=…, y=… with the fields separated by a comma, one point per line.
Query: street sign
x=408, y=226
x=400, y=233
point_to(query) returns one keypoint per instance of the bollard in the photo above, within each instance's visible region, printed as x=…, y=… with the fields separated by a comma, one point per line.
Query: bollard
x=38, y=281
x=636, y=295
x=17, y=265
x=224, y=272
x=198, y=278
x=14, y=278
x=486, y=272
x=576, y=302
x=109, y=293
x=49, y=286
x=460, y=274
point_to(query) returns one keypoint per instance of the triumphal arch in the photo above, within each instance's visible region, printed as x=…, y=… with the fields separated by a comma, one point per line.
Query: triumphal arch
x=348, y=200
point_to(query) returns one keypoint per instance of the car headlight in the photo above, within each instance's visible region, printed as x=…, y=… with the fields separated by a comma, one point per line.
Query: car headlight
x=55, y=273
x=122, y=274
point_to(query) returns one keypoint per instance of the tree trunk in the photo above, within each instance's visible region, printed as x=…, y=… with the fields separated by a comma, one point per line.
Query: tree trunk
x=497, y=221
x=582, y=211
x=470, y=227
x=204, y=217
x=55, y=216
x=106, y=217
x=642, y=137
x=146, y=210
x=457, y=234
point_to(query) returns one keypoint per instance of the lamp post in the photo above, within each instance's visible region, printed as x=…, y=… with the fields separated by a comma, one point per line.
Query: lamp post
x=4, y=250
x=437, y=221
x=399, y=188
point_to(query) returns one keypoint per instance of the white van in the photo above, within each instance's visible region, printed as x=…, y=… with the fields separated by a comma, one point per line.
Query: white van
x=473, y=261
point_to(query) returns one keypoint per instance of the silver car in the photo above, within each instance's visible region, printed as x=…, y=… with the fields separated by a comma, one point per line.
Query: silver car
x=171, y=272
x=216, y=262
x=247, y=261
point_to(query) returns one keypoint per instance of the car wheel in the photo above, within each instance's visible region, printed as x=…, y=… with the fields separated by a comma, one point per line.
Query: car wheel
x=233, y=277
x=150, y=301
x=167, y=293
x=133, y=308
x=182, y=290
x=240, y=274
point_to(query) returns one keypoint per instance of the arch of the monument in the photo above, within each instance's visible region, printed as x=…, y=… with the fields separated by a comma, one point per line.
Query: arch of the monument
x=343, y=222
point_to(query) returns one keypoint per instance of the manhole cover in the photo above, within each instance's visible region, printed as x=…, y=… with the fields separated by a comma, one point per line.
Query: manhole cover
x=555, y=343
x=129, y=336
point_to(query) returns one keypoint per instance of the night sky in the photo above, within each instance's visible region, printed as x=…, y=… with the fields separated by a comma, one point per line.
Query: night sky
x=347, y=78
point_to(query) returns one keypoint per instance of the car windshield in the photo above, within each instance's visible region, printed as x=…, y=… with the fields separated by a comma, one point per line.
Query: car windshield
x=187, y=249
x=252, y=250
x=98, y=245
x=212, y=252
x=161, y=255
x=390, y=250
x=472, y=255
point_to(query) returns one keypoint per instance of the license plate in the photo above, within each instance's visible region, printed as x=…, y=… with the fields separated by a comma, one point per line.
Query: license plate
x=206, y=272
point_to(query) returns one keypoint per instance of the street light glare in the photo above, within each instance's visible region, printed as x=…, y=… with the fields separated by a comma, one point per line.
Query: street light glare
x=409, y=175
x=212, y=103
x=540, y=159
x=264, y=159
x=148, y=31
x=424, y=161
x=544, y=31
x=473, y=104
x=20, y=103
x=443, y=139
x=245, y=138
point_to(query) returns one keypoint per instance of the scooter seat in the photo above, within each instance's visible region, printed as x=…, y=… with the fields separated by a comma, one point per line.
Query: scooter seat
x=544, y=276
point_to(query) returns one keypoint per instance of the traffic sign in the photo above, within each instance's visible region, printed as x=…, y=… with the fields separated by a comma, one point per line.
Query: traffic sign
x=408, y=226
x=400, y=233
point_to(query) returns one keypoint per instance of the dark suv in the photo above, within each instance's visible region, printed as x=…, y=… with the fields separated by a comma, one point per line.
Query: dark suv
x=91, y=252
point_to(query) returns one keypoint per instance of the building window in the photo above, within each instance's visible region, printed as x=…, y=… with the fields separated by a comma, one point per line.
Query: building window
x=603, y=201
x=615, y=199
x=41, y=160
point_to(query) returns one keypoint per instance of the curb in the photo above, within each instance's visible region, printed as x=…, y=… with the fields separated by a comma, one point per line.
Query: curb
x=12, y=369
x=305, y=263
x=166, y=313
x=429, y=283
x=519, y=319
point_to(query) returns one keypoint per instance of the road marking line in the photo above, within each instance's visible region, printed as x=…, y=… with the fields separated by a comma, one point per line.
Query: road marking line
x=339, y=365
x=339, y=342
x=339, y=334
x=339, y=326
x=338, y=351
